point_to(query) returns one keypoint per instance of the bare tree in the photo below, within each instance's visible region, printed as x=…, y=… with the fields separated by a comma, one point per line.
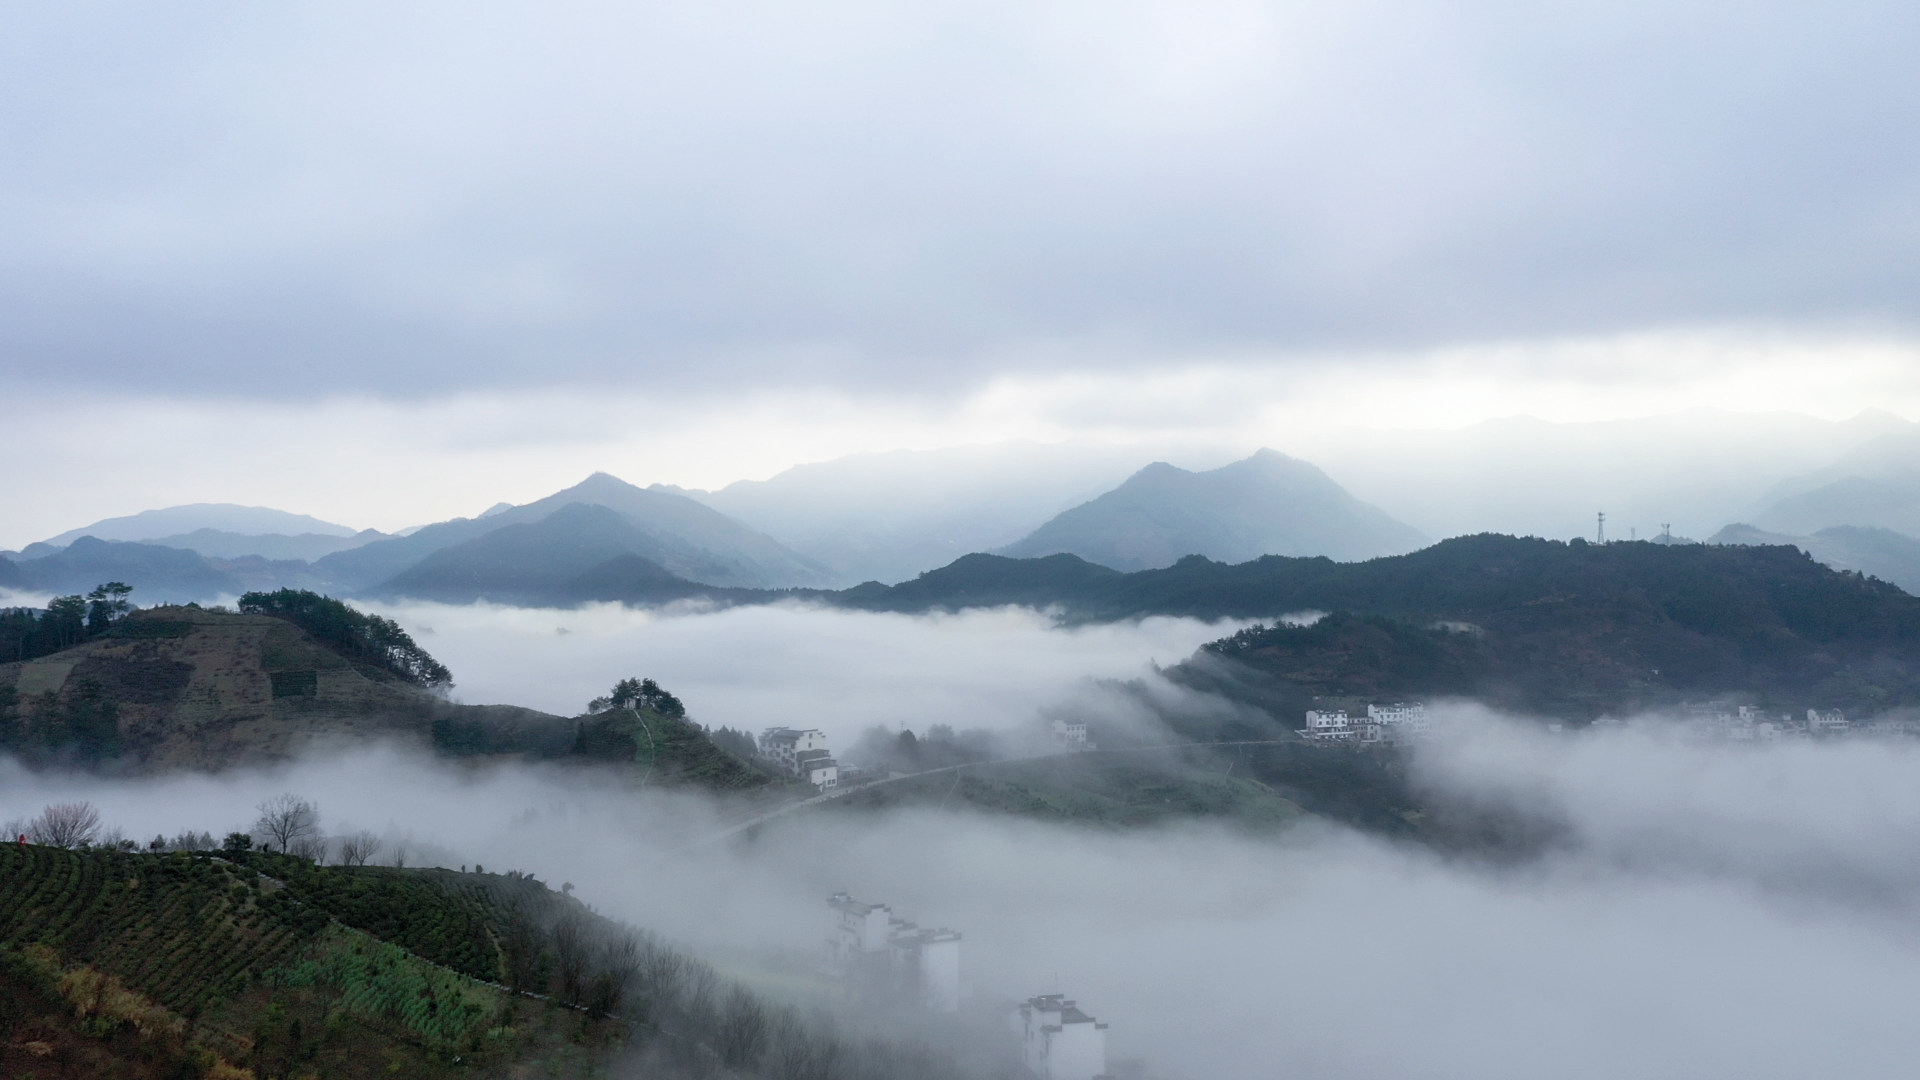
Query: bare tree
x=358, y=847
x=65, y=825
x=740, y=1037
x=570, y=957
x=795, y=1051
x=287, y=820
x=618, y=964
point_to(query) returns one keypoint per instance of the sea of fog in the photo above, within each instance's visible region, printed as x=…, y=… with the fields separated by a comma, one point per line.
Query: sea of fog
x=757, y=667
x=1705, y=911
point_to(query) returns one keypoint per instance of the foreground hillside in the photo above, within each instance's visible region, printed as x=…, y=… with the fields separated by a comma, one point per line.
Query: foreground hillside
x=235, y=965
x=197, y=963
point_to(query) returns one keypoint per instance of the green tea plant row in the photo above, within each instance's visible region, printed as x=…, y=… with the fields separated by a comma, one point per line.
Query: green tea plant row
x=385, y=984
x=405, y=907
x=184, y=930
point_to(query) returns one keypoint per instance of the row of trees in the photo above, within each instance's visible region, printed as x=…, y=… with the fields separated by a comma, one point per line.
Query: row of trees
x=370, y=639
x=66, y=622
x=286, y=823
x=639, y=694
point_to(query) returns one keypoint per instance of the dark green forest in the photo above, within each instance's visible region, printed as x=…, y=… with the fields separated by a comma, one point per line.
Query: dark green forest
x=366, y=639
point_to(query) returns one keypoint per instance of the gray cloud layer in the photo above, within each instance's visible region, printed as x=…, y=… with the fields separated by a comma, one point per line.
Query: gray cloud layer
x=361, y=198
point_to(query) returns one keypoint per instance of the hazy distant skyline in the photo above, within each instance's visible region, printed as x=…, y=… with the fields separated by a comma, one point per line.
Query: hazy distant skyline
x=387, y=265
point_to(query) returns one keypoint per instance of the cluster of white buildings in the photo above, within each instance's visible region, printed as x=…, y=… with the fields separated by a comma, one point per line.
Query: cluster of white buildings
x=1748, y=723
x=880, y=957
x=802, y=752
x=1384, y=724
x=1058, y=1041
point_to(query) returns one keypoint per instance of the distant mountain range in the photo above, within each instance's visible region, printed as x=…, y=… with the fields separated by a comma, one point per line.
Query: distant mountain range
x=226, y=518
x=890, y=517
x=683, y=536
x=1874, y=485
x=511, y=554
x=1698, y=470
x=162, y=573
x=886, y=517
x=1268, y=504
x=1881, y=553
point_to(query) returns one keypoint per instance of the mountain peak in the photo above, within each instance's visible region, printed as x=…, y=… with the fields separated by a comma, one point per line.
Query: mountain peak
x=1264, y=504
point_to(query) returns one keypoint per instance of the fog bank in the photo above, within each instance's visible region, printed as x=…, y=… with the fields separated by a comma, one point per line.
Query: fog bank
x=755, y=667
x=1705, y=915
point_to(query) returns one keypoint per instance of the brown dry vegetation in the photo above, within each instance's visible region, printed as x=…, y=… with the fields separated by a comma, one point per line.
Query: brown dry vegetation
x=209, y=690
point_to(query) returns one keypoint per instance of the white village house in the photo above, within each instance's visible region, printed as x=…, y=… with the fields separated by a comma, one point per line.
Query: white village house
x=1058, y=1041
x=882, y=958
x=1070, y=734
x=802, y=752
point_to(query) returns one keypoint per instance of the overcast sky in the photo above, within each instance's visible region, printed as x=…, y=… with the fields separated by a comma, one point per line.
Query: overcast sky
x=790, y=231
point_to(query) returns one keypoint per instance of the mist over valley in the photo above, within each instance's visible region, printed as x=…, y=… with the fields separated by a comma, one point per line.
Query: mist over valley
x=909, y=542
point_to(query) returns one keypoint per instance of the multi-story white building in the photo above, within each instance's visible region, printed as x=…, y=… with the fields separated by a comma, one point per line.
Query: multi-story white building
x=1328, y=725
x=1071, y=734
x=802, y=752
x=1400, y=712
x=1399, y=722
x=882, y=957
x=1402, y=721
x=1058, y=1041
x=1830, y=722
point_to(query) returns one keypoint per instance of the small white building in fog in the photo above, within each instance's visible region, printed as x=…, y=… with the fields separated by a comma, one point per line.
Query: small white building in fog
x=882, y=957
x=1829, y=722
x=1058, y=1041
x=1070, y=734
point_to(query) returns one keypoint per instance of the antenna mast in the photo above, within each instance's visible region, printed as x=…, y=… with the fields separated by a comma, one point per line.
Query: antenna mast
x=1603, y=526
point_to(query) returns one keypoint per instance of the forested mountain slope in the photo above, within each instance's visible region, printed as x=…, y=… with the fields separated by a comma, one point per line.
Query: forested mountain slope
x=1576, y=628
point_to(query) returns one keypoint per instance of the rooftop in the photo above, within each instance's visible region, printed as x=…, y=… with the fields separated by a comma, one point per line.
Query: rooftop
x=844, y=902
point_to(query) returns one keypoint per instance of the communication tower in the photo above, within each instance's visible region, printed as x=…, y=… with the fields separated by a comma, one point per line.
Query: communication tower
x=1603, y=526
